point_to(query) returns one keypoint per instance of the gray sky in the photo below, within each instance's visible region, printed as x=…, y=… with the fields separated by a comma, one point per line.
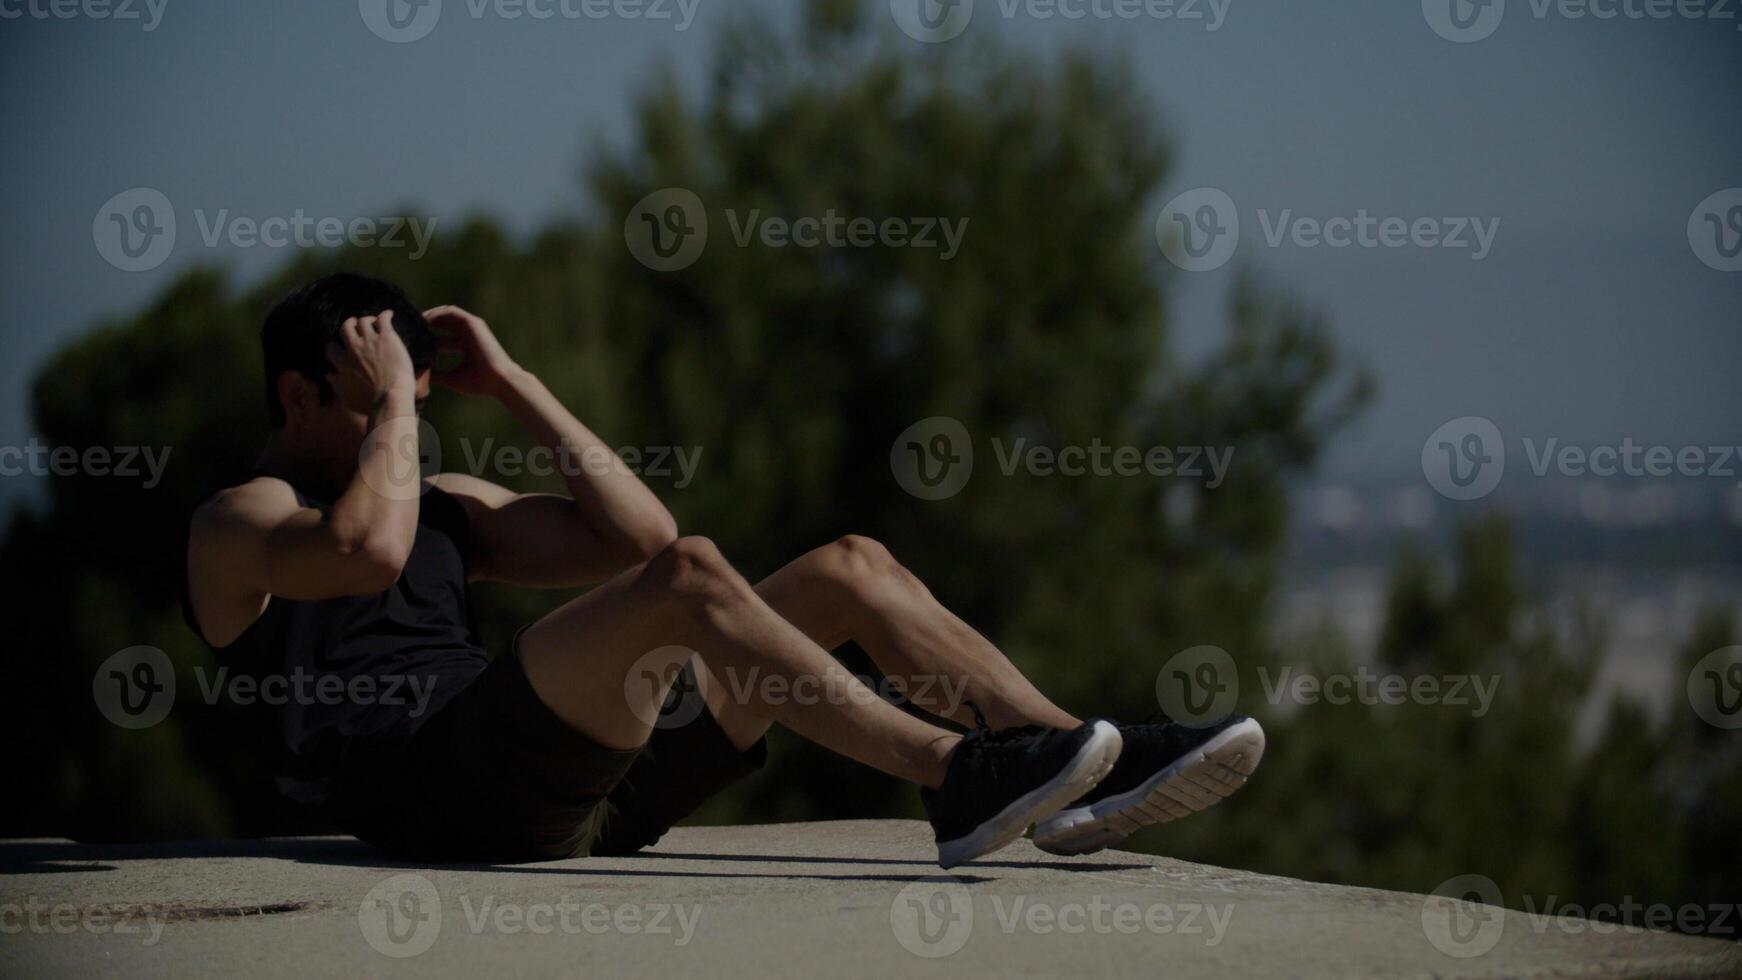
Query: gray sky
x=1591, y=141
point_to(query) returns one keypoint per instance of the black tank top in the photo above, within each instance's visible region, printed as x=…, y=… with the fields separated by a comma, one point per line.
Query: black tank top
x=306, y=679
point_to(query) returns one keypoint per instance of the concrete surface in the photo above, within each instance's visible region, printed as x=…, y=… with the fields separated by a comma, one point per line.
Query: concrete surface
x=854, y=898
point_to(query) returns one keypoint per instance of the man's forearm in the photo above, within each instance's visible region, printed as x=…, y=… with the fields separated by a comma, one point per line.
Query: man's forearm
x=378, y=511
x=619, y=507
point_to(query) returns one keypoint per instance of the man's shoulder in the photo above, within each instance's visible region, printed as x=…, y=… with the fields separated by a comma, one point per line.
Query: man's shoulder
x=465, y=486
x=245, y=502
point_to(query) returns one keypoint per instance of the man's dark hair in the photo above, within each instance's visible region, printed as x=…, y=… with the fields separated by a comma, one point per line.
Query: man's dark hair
x=297, y=331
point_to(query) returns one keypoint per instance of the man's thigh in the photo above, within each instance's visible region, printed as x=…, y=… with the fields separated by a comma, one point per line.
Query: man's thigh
x=604, y=661
x=601, y=661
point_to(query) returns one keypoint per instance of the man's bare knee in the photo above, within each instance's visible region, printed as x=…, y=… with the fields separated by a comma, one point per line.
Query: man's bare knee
x=856, y=563
x=693, y=571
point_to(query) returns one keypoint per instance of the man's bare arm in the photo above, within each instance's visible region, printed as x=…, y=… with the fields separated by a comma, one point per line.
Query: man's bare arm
x=537, y=540
x=258, y=540
x=612, y=521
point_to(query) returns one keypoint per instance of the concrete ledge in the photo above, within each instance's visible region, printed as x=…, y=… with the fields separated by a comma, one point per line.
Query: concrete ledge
x=850, y=898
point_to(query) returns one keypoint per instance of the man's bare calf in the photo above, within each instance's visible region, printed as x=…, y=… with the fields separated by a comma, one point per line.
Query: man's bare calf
x=867, y=596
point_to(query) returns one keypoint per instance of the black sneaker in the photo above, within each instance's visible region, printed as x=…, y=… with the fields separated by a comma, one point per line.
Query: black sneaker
x=1001, y=781
x=1167, y=771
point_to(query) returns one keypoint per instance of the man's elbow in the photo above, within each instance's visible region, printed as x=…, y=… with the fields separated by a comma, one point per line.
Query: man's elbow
x=377, y=558
x=652, y=537
x=382, y=562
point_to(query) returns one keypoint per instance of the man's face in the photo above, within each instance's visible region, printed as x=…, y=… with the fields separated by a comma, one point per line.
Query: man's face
x=340, y=426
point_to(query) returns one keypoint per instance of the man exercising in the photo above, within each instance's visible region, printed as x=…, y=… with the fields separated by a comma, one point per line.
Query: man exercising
x=334, y=565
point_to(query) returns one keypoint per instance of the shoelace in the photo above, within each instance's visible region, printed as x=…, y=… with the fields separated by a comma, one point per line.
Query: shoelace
x=996, y=746
x=995, y=736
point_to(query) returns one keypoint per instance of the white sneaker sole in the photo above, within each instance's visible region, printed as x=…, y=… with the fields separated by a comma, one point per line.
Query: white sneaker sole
x=1092, y=764
x=1196, y=781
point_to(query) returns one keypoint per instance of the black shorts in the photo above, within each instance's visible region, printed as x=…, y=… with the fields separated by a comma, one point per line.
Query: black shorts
x=495, y=775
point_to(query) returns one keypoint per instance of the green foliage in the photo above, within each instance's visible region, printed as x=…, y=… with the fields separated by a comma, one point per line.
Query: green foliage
x=1406, y=796
x=794, y=370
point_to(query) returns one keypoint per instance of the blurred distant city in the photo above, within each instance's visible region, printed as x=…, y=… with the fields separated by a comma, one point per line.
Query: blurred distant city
x=1646, y=557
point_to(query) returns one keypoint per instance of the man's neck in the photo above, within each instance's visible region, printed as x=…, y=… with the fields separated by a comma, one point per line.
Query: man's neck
x=303, y=470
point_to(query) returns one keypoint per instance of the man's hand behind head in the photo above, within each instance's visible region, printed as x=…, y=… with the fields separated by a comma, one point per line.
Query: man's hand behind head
x=484, y=366
x=370, y=356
